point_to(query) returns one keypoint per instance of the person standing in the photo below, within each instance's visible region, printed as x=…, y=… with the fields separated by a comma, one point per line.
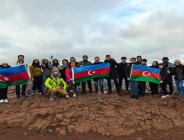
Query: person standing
x=133, y=84
x=179, y=77
x=98, y=81
x=70, y=79
x=153, y=86
x=46, y=69
x=123, y=72
x=36, y=76
x=142, y=84
x=4, y=91
x=113, y=74
x=168, y=79
x=21, y=89
x=65, y=64
x=85, y=62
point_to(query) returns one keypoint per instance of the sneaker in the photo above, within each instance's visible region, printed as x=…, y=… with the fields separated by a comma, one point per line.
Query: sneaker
x=67, y=96
x=1, y=101
x=52, y=99
x=74, y=95
x=6, y=101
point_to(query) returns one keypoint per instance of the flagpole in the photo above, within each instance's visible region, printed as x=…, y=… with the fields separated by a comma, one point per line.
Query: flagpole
x=73, y=78
x=131, y=71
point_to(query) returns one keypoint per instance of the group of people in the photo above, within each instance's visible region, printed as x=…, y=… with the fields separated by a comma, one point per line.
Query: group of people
x=52, y=77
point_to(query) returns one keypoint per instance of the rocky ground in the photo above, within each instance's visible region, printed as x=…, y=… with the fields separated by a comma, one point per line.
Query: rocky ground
x=92, y=116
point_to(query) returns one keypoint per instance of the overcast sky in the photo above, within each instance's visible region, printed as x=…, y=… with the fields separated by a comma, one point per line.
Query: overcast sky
x=64, y=28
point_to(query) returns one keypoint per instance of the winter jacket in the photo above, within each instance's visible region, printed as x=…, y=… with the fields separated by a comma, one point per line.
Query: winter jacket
x=35, y=71
x=51, y=83
x=113, y=68
x=84, y=63
x=123, y=69
x=168, y=67
x=68, y=73
x=46, y=69
x=179, y=72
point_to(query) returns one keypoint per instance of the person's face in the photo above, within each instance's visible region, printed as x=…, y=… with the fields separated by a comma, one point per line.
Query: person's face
x=161, y=66
x=97, y=59
x=5, y=65
x=85, y=58
x=132, y=60
x=55, y=61
x=21, y=57
x=139, y=58
x=72, y=59
x=45, y=61
x=72, y=64
x=165, y=61
x=108, y=58
x=56, y=74
x=123, y=60
x=65, y=62
x=36, y=61
x=143, y=62
x=177, y=63
x=154, y=64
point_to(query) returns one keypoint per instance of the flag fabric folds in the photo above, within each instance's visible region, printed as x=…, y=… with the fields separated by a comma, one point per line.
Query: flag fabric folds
x=85, y=73
x=13, y=76
x=145, y=73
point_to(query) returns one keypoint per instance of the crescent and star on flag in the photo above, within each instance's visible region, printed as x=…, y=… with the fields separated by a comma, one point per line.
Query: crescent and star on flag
x=2, y=78
x=146, y=73
x=91, y=72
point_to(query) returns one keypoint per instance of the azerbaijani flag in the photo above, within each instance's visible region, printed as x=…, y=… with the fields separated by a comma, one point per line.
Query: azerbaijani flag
x=13, y=76
x=85, y=73
x=145, y=73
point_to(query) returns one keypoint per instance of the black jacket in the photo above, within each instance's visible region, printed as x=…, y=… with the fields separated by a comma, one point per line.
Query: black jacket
x=113, y=68
x=168, y=67
x=123, y=69
x=179, y=72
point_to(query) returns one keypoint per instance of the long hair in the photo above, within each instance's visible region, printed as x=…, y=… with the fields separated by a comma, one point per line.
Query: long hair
x=55, y=64
x=36, y=64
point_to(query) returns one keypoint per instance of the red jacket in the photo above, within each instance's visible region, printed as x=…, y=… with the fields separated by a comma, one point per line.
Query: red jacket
x=68, y=74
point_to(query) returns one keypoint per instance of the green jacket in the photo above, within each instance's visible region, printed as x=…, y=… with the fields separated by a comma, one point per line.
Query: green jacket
x=51, y=83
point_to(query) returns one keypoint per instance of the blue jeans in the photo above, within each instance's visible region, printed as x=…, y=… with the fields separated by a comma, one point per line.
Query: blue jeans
x=97, y=83
x=180, y=87
x=134, y=88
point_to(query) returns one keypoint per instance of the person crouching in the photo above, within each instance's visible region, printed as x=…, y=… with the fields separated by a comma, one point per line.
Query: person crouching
x=55, y=85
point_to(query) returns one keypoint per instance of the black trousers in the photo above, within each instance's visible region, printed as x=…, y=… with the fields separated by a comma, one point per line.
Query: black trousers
x=141, y=88
x=18, y=89
x=84, y=86
x=164, y=87
x=115, y=82
x=121, y=81
x=37, y=83
x=3, y=93
x=154, y=88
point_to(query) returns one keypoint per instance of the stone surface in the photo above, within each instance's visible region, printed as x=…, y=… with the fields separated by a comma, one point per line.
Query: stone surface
x=100, y=114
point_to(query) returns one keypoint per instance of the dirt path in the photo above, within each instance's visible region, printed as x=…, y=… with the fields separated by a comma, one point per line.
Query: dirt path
x=91, y=117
